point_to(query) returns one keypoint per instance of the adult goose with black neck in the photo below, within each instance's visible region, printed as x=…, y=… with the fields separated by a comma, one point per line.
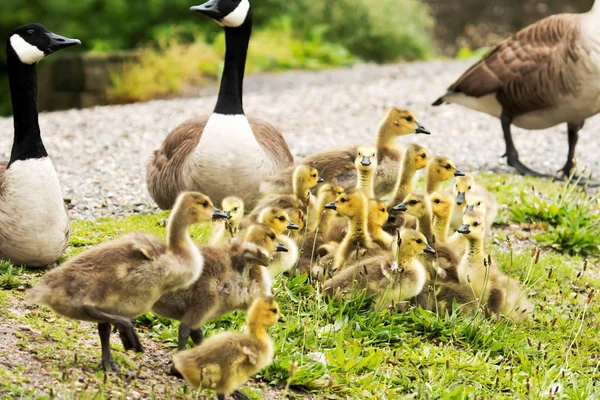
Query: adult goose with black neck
x=34, y=225
x=226, y=154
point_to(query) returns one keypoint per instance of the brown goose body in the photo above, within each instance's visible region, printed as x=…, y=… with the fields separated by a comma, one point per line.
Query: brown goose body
x=544, y=75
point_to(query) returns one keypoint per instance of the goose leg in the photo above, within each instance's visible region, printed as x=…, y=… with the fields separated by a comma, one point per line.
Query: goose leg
x=107, y=363
x=220, y=397
x=237, y=395
x=511, y=151
x=573, y=132
x=183, y=336
x=123, y=325
x=197, y=336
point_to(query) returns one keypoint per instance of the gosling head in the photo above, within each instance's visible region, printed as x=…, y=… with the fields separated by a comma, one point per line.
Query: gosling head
x=366, y=159
x=298, y=218
x=442, y=204
x=413, y=243
x=414, y=204
x=473, y=225
x=475, y=203
x=328, y=192
x=349, y=204
x=197, y=207
x=32, y=42
x=260, y=241
x=463, y=185
x=264, y=311
x=234, y=206
x=306, y=177
x=227, y=13
x=378, y=214
x=277, y=219
x=400, y=122
x=442, y=169
x=417, y=156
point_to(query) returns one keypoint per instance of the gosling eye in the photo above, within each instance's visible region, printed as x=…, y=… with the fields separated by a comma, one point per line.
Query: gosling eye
x=383, y=210
x=272, y=236
x=423, y=155
x=373, y=155
x=437, y=201
x=281, y=218
x=205, y=203
x=479, y=203
x=448, y=166
x=235, y=208
x=343, y=200
x=409, y=118
x=360, y=154
x=419, y=241
x=274, y=310
x=469, y=187
x=314, y=175
x=413, y=202
x=475, y=223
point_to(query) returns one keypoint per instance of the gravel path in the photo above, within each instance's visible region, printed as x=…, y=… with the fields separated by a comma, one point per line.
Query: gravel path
x=100, y=153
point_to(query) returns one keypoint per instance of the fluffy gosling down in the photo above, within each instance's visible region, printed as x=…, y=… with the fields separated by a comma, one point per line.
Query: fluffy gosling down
x=119, y=280
x=227, y=360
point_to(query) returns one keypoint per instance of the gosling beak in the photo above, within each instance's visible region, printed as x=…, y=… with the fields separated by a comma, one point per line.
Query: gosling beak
x=464, y=229
x=218, y=214
x=292, y=226
x=282, y=248
x=331, y=206
x=210, y=9
x=366, y=161
x=281, y=319
x=400, y=207
x=320, y=180
x=459, y=173
x=469, y=208
x=429, y=249
x=460, y=198
x=422, y=129
x=58, y=42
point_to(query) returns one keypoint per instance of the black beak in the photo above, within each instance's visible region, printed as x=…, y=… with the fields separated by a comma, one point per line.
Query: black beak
x=218, y=214
x=320, y=180
x=281, y=319
x=292, y=226
x=460, y=198
x=469, y=208
x=429, y=249
x=58, y=42
x=464, y=229
x=331, y=206
x=400, y=207
x=282, y=248
x=210, y=9
x=422, y=129
x=459, y=173
x=366, y=161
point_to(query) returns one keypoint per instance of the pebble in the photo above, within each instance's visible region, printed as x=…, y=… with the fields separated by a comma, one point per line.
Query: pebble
x=100, y=153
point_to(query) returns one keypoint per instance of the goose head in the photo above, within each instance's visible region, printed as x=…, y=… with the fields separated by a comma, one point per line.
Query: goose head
x=32, y=42
x=473, y=226
x=277, y=219
x=260, y=241
x=413, y=243
x=234, y=206
x=305, y=178
x=415, y=204
x=475, y=203
x=463, y=185
x=442, y=204
x=350, y=204
x=417, y=156
x=366, y=159
x=441, y=169
x=400, y=122
x=378, y=214
x=195, y=207
x=264, y=312
x=227, y=13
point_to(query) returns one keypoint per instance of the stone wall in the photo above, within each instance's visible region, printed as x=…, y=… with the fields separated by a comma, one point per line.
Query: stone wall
x=478, y=23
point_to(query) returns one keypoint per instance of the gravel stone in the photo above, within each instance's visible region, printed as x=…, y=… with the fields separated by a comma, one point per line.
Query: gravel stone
x=100, y=153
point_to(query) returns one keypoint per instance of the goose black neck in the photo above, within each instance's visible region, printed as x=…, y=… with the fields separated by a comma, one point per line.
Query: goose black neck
x=236, y=45
x=23, y=92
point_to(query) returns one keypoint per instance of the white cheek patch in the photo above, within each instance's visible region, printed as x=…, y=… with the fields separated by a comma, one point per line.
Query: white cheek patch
x=237, y=16
x=27, y=53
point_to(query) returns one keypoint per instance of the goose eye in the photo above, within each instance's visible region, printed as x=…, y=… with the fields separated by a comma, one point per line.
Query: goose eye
x=475, y=223
x=419, y=241
x=409, y=118
x=205, y=203
x=437, y=201
x=423, y=155
x=479, y=203
x=272, y=236
x=343, y=200
x=235, y=208
x=274, y=310
x=282, y=218
x=469, y=187
x=314, y=175
x=383, y=210
x=30, y=32
x=448, y=166
x=413, y=202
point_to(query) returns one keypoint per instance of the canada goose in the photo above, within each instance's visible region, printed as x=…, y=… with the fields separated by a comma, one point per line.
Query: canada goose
x=226, y=154
x=442, y=204
x=389, y=280
x=544, y=75
x=440, y=296
x=366, y=165
x=116, y=281
x=465, y=187
x=227, y=360
x=233, y=276
x=337, y=166
x=439, y=170
x=277, y=219
x=415, y=158
x=419, y=206
x=34, y=224
x=228, y=228
x=500, y=294
x=378, y=216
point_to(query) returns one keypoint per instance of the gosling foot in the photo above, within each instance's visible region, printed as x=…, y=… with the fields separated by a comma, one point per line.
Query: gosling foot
x=237, y=395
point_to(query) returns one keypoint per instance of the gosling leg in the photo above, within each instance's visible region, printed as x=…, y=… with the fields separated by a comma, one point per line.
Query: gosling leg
x=107, y=363
x=237, y=395
x=511, y=151
x=123, y=324
x=183, y=336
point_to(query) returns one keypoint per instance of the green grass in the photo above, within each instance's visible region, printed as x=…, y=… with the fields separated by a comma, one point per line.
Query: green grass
x=330, y=350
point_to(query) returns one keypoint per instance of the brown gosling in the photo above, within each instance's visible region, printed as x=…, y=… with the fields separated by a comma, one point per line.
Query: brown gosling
x=366, y=165
x=439, y=170
x=229, y=228
x=378, y=216
x=227, y=360
x=500, y=294
x=445, y=262
x=337, y=166
x=390, y=280
x=277, y=219
x=440, y=297
x=467, y=186
x=233, y=277
x=114, y=282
